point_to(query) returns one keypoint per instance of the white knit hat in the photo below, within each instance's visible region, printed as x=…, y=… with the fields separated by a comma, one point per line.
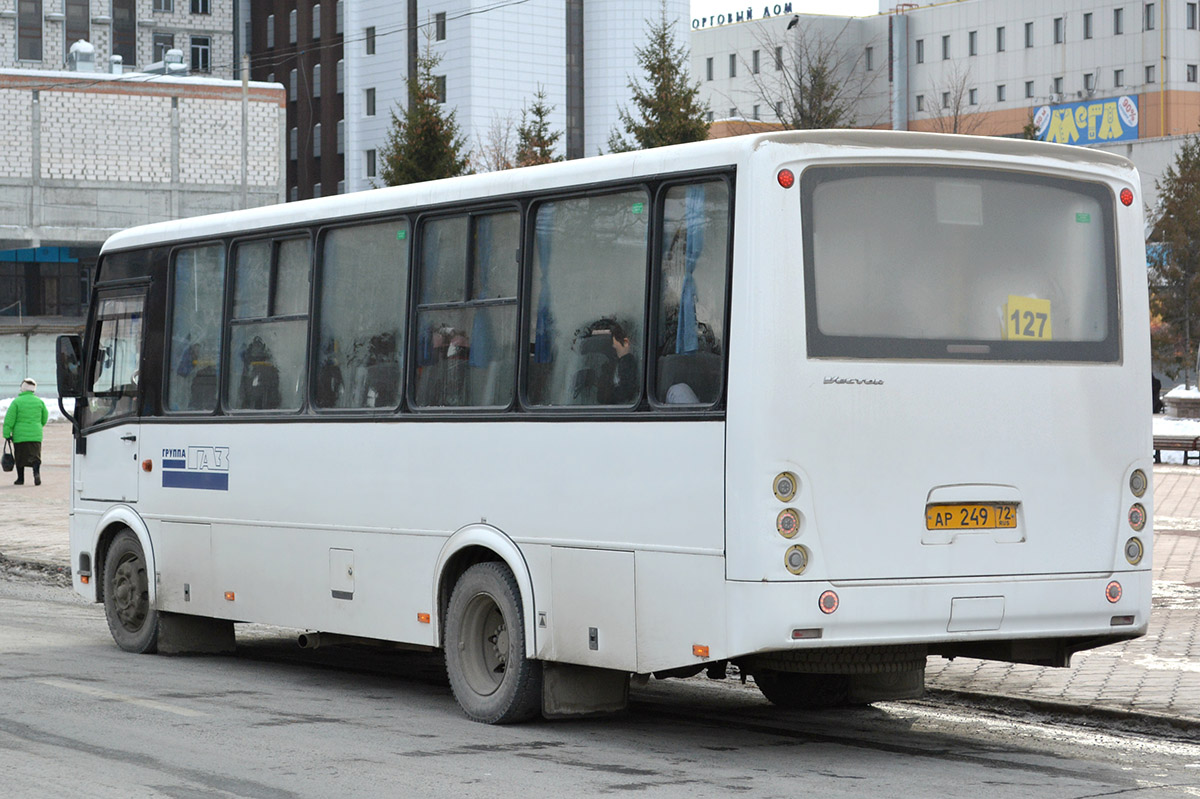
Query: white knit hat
x=29, y=384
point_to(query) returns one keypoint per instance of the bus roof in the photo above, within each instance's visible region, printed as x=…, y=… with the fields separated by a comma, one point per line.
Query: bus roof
x=594, y=170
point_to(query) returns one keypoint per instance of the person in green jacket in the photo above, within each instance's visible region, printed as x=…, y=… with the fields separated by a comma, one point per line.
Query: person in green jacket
x=23, y=424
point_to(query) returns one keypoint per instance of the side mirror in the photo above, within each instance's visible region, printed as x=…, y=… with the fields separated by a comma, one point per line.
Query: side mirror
x=69, y=360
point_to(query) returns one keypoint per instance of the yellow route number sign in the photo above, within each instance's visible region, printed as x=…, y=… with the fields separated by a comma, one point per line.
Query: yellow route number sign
x=1026, y=319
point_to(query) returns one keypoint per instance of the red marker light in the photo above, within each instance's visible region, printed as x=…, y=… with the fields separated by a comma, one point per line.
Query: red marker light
x=787, y=179
x=828, y=602
x=1113, y=592
x=1126, y=197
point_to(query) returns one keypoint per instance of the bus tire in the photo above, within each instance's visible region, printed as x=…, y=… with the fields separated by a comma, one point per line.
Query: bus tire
x=492, y=679
x=132, y=621
x=799, y=691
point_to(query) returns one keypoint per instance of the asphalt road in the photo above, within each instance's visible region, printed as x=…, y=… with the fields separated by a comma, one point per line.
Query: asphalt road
x=80, y=717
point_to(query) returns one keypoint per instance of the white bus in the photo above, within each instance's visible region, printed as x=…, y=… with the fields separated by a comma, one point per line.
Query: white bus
x=819, y=405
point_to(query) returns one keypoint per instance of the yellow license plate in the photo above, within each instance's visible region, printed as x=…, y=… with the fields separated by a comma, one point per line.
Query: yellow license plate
x=978, y=516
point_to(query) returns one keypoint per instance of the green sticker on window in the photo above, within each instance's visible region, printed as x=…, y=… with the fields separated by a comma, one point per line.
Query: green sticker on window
x=638, y=208
x=1085, y=219
x=401, y=235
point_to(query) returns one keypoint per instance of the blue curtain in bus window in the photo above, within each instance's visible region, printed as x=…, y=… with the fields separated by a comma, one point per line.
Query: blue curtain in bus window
x=481, y=334
x=685, y=334
x=542, y=350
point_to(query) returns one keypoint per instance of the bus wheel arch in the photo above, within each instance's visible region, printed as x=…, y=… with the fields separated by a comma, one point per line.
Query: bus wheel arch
x=126, y=591
x=111, y=524
x=478, y=544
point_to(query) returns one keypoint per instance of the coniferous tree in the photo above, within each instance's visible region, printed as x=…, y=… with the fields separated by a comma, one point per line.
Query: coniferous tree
x=535, y=140
x=667, y=109
x=1173, y=258
x=424, y=142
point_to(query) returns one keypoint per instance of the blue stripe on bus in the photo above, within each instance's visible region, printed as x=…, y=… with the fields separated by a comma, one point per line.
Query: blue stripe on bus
x=179, y=464
x=213, y=481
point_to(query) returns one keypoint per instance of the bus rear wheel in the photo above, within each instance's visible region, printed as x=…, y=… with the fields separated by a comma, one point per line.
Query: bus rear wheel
x=801, y=691
x=131, y=619
x=491, y=678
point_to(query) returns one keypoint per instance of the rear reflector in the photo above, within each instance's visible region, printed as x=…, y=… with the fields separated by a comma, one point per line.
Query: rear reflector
x=801, y=635
x=1122, y=621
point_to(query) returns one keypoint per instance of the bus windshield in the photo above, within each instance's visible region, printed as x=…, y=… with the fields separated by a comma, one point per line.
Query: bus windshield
x=937, y=262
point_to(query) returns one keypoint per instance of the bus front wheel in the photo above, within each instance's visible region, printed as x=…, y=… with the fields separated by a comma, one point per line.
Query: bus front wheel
x=491, y=678
x=131, y=619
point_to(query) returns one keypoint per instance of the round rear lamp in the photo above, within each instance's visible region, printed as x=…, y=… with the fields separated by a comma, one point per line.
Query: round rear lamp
x=1137, y=516
x=796, y=559
x=1112, y=592
x=785, y=486
x=1134, y=551
x=1138, y=483
x=828, y=602
x=788, y=522
x=1126, y=197
x=787, y=179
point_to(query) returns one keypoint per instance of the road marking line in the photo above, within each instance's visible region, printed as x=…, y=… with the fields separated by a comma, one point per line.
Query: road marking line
x=100, y=693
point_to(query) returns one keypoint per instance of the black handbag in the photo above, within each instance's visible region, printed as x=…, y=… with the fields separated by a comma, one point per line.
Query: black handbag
x=7, y=461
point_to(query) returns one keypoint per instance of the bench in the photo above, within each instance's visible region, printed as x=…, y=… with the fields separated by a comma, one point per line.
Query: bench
x=1189, y=445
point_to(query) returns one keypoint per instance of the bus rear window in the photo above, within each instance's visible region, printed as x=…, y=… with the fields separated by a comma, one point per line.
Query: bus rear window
x=928, y=262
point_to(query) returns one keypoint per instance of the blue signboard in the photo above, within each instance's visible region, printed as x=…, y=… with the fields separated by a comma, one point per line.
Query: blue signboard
x=1089, y=122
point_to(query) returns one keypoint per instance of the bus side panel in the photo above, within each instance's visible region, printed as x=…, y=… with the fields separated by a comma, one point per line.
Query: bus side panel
x=680, y=610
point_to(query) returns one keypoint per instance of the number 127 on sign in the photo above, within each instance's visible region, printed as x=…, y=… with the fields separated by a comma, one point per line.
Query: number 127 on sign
x=1027, y=318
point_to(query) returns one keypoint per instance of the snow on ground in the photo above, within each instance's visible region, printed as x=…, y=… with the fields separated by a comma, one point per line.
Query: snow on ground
x=52, y=406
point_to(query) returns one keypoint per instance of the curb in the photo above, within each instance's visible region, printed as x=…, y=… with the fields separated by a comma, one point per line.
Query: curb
x=1185, y=727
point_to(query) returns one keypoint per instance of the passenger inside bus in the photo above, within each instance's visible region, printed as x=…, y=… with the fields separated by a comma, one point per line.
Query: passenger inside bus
x=608, y=371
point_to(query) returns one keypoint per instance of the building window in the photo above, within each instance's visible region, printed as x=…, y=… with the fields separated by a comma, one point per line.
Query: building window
x=1060, y=32
x=292, y=26
x=1118, y=77
x=370, y=40
x=29, y=30
x=756, y=112
x=293, y=194
x=1148, y=17
x=1028, y=89
x=1000, y=39
x=945, y=99
x=1191, y=73
x=341, y=137
x=270, y=30
x=162, y=42
x=293, y=139
x=920, y=102
x=317, y=189
x=201, y=7
x=339, y=16
x=733, y=65
x=341, y=187
x=708, y=117
x=370, y=163
x=973, y=96
x=292, y=85
x=778, y=58
x=1118, y=21
x=920, y=51
x=316, y=21
x=946, y=47
x=164, y=5
x=77, y=22
x=317, y=140
x=1029, y=34
x=1150, y=73
x=1087, y=25
x=708, y=68
x=754, y=61
x=316, y=84
x=1058, y=87
x=439, y=26
x=870, y=58
x=1191, y=16
x=1089, y=82
x=201, y=54
x=124, y=31
x=1001, y=93
x=973, y=43
x=439, y=82
x=370, y=102
x=341, y=76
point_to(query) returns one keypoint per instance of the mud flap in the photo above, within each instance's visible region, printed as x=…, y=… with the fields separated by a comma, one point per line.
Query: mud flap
x=181, y=634
x=569, y=690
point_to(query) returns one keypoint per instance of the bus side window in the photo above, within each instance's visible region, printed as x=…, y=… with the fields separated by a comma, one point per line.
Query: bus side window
x=589, y=282
x=691, y=320
x=195, y=337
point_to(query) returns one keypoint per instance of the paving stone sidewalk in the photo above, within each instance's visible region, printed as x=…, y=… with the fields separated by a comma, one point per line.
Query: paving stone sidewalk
x=1157, y=675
